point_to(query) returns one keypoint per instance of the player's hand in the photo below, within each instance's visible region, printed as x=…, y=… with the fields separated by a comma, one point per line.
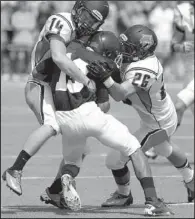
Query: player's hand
x=91, y=86
x=100, y=71
x=188, y=46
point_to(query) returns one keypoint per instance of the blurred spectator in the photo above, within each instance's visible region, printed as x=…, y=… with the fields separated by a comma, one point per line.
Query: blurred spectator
x=44, y=11
x=21, y=23
x=63, y=6
x=130, y=13
x=111, y=21
x=161, y=21
x=6, y=35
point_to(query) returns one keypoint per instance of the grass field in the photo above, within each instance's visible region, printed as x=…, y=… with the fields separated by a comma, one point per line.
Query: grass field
x=94, y=183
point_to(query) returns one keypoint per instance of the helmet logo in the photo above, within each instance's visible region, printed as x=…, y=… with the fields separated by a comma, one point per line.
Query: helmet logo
x=123, y=37
x=98, y=15
x=146, y=41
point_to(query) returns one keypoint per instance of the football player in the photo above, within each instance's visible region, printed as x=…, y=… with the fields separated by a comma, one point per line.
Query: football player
x=183, y=42
x=143, y=87
x=80, y=118
x=49, y=56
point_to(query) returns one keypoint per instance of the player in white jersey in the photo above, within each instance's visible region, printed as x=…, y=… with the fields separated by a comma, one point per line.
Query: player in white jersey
x=143, y=87
x=49, y=57
x=183, y=42
x=84, y=119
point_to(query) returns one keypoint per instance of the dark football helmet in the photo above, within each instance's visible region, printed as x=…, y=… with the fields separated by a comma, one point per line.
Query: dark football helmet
x=138, y=42
x=88, y=16
x=108, y=45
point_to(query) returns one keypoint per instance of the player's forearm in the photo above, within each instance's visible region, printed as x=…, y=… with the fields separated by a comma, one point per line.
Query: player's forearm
x=119, y=91
x=58, y=53
x=69, y=68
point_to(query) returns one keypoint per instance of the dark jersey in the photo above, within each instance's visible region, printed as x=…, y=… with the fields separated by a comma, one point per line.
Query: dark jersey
x=69, y=94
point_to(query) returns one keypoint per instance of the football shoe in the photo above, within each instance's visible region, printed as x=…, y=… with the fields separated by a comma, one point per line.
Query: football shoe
x=69, y=193
x=118, y=200
x=156, y=207
x=13, y=180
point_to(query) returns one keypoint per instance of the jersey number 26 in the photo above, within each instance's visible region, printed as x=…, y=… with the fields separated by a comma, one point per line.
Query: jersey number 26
x=141, y=79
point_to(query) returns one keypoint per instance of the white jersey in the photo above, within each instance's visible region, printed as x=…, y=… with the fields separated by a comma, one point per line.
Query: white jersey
x=42, y=64
x=151, y=100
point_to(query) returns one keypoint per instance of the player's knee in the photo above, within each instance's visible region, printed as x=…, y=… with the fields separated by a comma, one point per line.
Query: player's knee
x=53, y=126
x=52, y=130
x=113, y=161
x=165, y=149
x=110, y=163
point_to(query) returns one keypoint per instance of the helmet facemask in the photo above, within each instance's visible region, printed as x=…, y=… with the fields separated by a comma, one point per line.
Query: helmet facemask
x=132, y=52
x=116, y=56
x=87, y=21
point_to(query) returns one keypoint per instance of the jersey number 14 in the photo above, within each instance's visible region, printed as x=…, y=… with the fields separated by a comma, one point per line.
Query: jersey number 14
x=56, y=24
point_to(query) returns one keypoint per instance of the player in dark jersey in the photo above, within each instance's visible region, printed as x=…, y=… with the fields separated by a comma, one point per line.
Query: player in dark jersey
x=84, y=119
x=49, y=56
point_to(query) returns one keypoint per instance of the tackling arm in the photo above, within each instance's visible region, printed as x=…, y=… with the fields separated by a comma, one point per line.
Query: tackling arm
x=103, y=72
x=58, y=53
x=119, y=91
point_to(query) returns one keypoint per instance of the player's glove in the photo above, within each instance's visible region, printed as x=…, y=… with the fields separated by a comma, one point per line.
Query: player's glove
x=101, y=71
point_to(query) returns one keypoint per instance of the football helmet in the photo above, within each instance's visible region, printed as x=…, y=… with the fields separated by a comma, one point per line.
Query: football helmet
x=88, y=16
x=138, y=42
x=108, y=45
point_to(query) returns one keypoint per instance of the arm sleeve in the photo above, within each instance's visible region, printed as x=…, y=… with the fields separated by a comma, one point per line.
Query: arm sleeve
x=59, y=27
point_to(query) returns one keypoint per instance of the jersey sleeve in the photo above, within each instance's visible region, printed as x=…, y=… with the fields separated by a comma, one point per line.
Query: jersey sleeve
x=59, y=26
x=140, y=77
